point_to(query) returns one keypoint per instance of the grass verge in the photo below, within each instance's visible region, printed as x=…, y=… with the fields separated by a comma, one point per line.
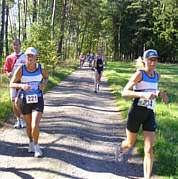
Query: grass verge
x=165, y=145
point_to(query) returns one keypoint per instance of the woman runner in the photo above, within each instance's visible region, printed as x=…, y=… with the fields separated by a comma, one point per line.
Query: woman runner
x=33, y=79
x=99, y=65
x=143, y=87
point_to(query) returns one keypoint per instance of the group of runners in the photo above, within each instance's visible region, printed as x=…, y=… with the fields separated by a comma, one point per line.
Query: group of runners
x=97, y=64
x=30, y=78
x=83, y=58
x=27, y=80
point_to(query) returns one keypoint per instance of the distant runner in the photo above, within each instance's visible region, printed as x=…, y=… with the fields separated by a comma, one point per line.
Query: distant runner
x=143, y=87
x=90, y=59
x=82, y=59
x=99, y=66
x=33, y=79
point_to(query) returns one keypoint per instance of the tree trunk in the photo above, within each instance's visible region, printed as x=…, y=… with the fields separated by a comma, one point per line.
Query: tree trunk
x=77, y=48
x=2, y=26
x=116, y=37
x=25, y=19
x=34, y=16
x=83, y=38
x=6, y=30
x=19, y=18
x=53, y=18
x=62, y=28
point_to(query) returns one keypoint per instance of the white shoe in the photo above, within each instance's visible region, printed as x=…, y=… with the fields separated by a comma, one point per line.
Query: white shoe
x=23, y=123
x=17, y=125
x=31, y=147
x=98, y=87
x=38, y=152
x=119, y=154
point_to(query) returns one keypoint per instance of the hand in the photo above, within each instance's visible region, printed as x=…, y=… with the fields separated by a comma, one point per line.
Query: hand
x=9, y=74
x=164, y=96
x=26, y=87
x=149, y=95
x=41, y=86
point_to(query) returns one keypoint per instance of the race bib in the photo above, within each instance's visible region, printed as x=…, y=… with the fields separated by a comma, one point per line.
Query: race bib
x=146, y=103
x=31, y=98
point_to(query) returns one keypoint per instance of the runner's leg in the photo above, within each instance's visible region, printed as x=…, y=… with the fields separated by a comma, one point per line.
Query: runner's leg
x=148, y=150
x=36, y=117
x=129, y=142
x=99, y=79
x=28, y=119
x=16, y=109
x=18, y=112
x=96, y=80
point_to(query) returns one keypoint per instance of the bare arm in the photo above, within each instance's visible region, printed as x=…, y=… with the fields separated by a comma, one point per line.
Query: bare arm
x=105, y=61
x=137, y=77
x=128, y=90
x=162, y=94
x=45, y=79
x=14, y=83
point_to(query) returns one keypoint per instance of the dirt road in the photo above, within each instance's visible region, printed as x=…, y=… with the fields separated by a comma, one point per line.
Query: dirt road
x=79, y=132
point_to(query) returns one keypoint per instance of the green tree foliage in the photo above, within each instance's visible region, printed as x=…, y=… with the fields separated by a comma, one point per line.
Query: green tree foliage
x=122, y=28
x=165, y=30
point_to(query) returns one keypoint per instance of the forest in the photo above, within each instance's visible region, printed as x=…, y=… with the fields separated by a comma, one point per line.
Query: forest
x=62, y=29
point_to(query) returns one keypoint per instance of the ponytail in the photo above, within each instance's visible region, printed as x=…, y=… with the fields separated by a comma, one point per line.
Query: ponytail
x=140, y=64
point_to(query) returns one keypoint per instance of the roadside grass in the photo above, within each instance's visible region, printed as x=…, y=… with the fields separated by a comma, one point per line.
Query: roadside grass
x=165, y=145
x=56, y=74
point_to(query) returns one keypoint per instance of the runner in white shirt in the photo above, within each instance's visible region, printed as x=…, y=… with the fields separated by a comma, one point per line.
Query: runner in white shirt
x=14, y=60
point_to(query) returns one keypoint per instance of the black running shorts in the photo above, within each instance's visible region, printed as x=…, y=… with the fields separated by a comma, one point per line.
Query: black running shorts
x=28, y=108
x=138, y=115
x=99, y=70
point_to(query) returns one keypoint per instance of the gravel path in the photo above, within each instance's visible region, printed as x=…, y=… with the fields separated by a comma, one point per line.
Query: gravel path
x=79, y=132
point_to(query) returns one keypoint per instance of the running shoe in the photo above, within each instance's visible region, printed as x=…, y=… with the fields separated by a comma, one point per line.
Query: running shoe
x=17, y=124
x=119, y=154
x=98, y=87
x=38, y=152
x=23, y=123
x=31, y=147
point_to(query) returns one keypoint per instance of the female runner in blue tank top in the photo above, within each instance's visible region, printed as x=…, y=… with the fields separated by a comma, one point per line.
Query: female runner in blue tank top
x=33, y=79
x=142, y=87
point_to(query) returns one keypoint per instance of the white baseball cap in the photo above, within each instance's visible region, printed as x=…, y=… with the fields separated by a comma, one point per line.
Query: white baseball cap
x=31, y=50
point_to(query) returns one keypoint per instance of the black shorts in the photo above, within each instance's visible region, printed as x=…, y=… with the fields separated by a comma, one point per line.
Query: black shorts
x=28, y=108
x=99, y=70
x=138, y=115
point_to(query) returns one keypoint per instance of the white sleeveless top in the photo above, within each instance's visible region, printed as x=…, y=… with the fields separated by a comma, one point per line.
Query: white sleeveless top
x=148, y=84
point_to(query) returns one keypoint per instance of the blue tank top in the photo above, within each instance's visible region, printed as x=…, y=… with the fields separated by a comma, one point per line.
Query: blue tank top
x=33, y=79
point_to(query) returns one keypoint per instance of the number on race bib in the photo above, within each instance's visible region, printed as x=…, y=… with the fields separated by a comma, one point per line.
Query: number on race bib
x=146, y=103
x=31, y=98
